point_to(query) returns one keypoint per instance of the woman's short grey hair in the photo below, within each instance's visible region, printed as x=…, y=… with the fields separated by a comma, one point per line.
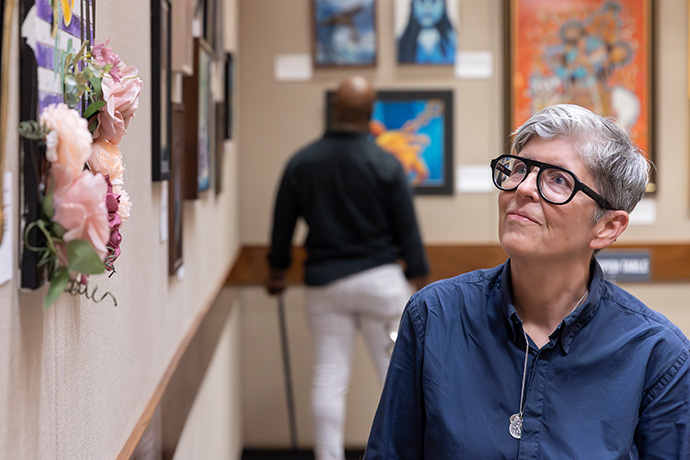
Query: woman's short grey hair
x=620, y=169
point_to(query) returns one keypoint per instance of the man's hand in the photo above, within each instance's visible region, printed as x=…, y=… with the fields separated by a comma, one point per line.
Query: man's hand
x=275, y=284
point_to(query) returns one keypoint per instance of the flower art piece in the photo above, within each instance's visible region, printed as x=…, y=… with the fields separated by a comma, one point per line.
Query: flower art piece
x=83, y=203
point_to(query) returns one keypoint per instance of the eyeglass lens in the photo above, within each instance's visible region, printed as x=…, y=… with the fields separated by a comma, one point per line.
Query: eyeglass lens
x=555, y=185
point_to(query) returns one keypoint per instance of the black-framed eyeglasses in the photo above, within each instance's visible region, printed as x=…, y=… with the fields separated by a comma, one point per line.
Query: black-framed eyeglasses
x=556, y=185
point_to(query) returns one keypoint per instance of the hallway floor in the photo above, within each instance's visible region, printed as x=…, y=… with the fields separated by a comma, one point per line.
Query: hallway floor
x=255, y=454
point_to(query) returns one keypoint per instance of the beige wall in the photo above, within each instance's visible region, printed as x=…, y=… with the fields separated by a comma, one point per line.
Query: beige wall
x=75, y=378
x=278, y=117
x=213, y=429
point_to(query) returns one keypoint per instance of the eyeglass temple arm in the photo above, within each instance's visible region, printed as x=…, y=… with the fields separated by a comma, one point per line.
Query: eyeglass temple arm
x=596, y=197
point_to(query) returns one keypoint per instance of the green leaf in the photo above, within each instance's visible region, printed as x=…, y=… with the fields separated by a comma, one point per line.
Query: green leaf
x=97, y=90
x=93, y=108
x=31, y=129
x=47, y=206
x=83, y=258
x=58, y=230
x=93, y=124
x=57, y=286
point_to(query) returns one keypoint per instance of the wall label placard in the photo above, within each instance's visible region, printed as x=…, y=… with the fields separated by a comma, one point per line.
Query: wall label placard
x=626, y=266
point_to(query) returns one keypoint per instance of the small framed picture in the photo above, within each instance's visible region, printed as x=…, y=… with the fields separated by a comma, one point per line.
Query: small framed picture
x=175, y=189
x=160, y=89
x=426, y=31
x=417, y=128
x=344, y=33
x=229, y=82
x=199, y=123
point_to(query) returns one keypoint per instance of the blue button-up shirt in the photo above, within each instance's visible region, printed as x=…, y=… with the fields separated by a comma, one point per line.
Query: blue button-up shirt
x=612, y=383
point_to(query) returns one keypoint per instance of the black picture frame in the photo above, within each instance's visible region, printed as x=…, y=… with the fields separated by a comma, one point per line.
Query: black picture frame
x=229, y=83
x=2, y=21
x=161, y=109
x=175, y=190
x=219, y=147
x=427, y=138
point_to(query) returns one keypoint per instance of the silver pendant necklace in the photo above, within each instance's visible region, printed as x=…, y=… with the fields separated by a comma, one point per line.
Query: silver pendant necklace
x=515, y=427
x=516, y=419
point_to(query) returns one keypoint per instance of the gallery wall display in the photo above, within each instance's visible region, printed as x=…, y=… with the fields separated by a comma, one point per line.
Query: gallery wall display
x=426, y=31
x=199, y=123
x=594, y=53
x=417, y=128
x=344, y=33
x=160, y=88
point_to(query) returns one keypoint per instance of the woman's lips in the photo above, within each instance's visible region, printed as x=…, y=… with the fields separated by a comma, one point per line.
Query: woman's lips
x=522, y=217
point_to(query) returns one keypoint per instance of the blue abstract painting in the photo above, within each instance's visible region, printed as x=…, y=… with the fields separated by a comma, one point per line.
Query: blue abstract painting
x=345, y=33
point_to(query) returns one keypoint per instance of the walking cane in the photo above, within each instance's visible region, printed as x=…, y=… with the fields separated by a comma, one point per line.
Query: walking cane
x=288, y=375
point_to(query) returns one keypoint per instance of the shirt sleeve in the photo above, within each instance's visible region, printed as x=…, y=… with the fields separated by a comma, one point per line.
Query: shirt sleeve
x=407, y=234
x=663, y=430
x=285, y=217
x=398, y=428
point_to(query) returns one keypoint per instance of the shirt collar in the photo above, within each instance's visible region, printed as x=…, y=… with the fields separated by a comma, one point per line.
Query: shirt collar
x=570, y=325
x=346, y=134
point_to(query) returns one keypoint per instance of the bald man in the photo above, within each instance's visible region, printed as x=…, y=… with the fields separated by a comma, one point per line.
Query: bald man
x=358, y=206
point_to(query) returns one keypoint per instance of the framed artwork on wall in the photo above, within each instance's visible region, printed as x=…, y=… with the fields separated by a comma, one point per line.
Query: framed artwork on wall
x=219, y=147
x=417, y=128
x=212, y=24
x=426, y=31
x=229, y=82
x=199, y=123
x=344, y=33
x=40, y=86
x=182, y=40
x=4, y=84
x=175, y=198
x=593, y=53
x=160, y=89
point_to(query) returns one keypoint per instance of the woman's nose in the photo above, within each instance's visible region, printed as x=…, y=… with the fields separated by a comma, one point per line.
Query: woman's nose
x=528, y=186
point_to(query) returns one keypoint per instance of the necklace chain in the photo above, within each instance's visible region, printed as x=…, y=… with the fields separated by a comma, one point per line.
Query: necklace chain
x=515, y=427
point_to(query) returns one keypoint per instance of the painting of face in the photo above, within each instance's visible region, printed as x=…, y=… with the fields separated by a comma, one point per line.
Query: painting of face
x=425, y=31
x=428, y=12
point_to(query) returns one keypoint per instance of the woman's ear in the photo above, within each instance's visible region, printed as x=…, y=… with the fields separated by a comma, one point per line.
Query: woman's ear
x=609, y=228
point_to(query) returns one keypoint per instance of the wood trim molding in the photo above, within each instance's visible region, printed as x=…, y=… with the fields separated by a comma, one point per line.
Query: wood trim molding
x=670, y=262
x=205, y=319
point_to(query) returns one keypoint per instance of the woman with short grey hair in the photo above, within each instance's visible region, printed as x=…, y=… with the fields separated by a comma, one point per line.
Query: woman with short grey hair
x=541, y=357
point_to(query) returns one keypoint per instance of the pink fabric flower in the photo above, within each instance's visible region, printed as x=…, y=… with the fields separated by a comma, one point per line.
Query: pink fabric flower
x=125, y=203
x=69, y=141
x=81, y=210
x=106, y=159
x=122, y=100
x=103, y=55
x=112, y=202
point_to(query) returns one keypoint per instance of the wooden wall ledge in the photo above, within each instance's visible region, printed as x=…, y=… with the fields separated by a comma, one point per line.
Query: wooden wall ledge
x=669, y=262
